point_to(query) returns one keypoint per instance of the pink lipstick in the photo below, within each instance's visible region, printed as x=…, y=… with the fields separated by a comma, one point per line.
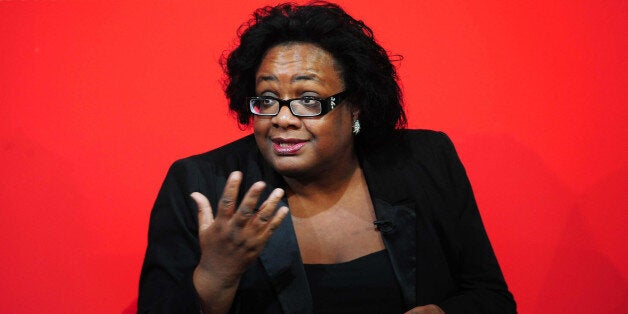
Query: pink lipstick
x=287, y=146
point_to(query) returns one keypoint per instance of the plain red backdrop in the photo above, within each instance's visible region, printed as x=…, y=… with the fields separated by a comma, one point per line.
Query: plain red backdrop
x=98, y=98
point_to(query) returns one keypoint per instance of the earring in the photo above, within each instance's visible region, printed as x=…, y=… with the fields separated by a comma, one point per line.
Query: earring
x=356, y=127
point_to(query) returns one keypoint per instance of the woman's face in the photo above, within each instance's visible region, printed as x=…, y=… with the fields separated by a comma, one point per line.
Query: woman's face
x=303, y=147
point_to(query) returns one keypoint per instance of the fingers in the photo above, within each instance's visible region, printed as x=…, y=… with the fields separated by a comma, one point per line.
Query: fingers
x=276, y=220
x=227, y=203
x=245, y=213
x=265, y=212
x=246, y=210
x=205, y=215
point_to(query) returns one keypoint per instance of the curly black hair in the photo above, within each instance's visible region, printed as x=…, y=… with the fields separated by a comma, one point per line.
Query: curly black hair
x=366, y=68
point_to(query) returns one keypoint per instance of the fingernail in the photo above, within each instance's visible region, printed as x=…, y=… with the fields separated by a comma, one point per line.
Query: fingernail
x=260, y=184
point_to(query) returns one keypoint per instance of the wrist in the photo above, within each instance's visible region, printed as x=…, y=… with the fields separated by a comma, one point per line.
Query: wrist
x=214, y=292
x=210, y=279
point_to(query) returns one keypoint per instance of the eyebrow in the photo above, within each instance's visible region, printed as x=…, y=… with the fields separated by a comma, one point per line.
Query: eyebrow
x=296, y=78
x=265, y=78
x=305, y=77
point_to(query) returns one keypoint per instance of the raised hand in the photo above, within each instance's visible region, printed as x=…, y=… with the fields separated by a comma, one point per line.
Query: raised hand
x=231, y=241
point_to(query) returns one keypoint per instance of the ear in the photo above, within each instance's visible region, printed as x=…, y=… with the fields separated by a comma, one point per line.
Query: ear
x=355, y=112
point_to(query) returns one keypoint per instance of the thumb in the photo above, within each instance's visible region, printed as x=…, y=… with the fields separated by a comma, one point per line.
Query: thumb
x=205, y=215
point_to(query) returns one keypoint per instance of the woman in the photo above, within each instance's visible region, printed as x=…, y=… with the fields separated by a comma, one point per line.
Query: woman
x=380, y=219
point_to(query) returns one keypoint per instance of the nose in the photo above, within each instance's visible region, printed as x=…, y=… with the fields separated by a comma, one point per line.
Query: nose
x=285, y=119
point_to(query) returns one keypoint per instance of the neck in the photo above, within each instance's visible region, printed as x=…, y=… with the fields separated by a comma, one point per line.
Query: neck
x=310, y=196
x=326, y=180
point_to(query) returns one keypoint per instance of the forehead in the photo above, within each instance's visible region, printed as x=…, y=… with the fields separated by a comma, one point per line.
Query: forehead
x=297, y=61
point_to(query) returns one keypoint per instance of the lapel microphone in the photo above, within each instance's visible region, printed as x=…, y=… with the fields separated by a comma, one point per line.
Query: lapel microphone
x=384, y=226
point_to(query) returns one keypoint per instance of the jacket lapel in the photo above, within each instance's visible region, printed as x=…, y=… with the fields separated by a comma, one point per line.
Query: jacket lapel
x=283, y=264
x=281, y=258
x=395, y=209
x=399, y=235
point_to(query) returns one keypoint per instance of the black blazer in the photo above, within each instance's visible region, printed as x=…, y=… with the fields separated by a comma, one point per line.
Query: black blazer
x=434, y=234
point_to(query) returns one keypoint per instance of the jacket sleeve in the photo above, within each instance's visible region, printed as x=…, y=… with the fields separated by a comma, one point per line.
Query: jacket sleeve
x=481, y=287
x=173, y=249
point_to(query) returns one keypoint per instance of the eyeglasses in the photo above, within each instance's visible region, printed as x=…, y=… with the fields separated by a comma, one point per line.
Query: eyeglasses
x=306, y=106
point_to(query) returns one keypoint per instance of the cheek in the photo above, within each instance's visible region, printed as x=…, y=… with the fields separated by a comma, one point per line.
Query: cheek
x=260, y=130
x=332, y=131
x=340, y=124
x=259, y=126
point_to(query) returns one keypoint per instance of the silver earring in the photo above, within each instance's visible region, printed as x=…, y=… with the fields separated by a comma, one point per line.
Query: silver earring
x=356, y=127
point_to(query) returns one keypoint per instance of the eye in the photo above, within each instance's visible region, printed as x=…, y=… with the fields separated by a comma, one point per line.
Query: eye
x=267, y=102
x=308, y=100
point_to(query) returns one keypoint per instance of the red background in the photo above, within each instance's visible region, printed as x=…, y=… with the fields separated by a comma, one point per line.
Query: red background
x=98, y=98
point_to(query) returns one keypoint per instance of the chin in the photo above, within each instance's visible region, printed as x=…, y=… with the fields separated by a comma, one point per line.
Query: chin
x=291, y=173
x=293, y=169
x=288, y=169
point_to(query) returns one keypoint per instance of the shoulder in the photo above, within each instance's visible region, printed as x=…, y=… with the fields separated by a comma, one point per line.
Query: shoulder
x=218, y=162
x=421, y=139
x=423, y=146
x=236, y=149
x=229, y=156
x=417, y=155
x=208, y=172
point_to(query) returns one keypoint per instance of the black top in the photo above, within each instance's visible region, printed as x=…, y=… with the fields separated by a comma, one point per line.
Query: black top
x=364, y=285
x=436, y=242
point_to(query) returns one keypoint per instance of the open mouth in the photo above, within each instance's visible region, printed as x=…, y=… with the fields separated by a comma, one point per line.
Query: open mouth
x=287, y=147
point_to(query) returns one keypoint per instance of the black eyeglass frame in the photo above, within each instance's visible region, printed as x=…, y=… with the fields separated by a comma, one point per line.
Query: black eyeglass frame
x=327, y=104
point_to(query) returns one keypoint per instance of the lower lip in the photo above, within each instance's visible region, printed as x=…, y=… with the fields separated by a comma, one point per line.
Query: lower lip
x=290, y=149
